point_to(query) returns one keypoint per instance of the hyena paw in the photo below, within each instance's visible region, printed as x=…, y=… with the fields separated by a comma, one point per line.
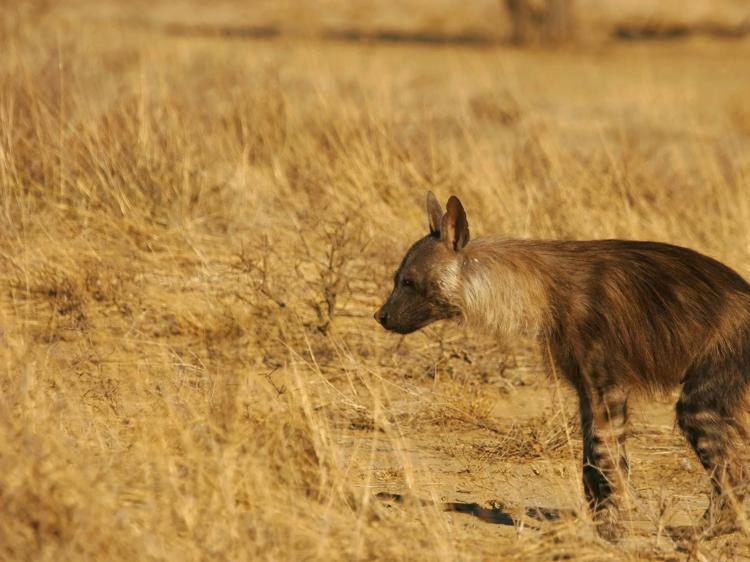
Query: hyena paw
x=608, y=520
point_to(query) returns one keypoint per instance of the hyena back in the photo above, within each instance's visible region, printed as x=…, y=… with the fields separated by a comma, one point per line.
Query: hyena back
x=615, y=317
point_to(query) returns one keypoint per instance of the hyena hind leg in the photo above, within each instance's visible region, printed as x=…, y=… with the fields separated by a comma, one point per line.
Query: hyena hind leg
x=709, y=413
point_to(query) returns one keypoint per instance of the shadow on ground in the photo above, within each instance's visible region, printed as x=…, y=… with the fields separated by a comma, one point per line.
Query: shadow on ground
x=684, y=536
x=497, y=515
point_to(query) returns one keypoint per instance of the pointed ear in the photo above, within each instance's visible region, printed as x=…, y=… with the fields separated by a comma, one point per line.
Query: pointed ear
x=434, y=213
x=454, y=229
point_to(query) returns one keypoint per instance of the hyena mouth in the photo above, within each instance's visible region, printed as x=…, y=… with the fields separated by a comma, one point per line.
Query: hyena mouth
x=411, y=328
x=403, y=330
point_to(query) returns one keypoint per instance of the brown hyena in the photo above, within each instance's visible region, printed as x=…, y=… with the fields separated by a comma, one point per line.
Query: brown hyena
x=615, y=316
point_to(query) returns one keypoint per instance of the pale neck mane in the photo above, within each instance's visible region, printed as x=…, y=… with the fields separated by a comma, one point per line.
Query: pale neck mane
x=501, y=287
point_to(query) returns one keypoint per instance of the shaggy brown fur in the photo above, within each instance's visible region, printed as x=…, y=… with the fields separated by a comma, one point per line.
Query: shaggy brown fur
x=616, y=316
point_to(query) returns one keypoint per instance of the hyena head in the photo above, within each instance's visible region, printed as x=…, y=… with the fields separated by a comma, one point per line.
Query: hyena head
x=425, y=285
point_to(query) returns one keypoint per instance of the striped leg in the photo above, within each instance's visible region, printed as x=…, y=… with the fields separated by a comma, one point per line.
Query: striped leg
x=707, y=415
x=604, y=414
x=605, y=466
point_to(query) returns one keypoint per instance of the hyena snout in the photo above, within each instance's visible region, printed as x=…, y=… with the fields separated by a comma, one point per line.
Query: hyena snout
x=405, y=317
x=391, y=320
x=381, y=315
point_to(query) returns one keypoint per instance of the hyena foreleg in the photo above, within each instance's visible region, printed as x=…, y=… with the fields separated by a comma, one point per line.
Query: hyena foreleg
x=605, y=466
x=709, y=414
x=603, y=407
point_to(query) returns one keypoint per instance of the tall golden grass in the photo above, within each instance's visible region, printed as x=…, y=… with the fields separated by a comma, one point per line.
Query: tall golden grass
x=195, y=232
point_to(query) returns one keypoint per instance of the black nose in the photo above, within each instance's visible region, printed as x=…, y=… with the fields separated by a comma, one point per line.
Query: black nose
x=381, y=316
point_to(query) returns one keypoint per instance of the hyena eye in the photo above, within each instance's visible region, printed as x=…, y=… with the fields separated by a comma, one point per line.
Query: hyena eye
x=408, y=282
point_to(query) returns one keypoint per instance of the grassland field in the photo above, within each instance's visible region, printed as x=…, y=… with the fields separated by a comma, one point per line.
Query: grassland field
x=196, y=227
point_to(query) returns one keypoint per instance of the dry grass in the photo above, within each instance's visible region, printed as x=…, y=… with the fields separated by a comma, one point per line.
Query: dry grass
x=195, y=231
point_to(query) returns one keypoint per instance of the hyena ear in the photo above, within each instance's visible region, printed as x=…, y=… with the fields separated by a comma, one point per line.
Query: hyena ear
x=434, y=213
x=454, y=229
